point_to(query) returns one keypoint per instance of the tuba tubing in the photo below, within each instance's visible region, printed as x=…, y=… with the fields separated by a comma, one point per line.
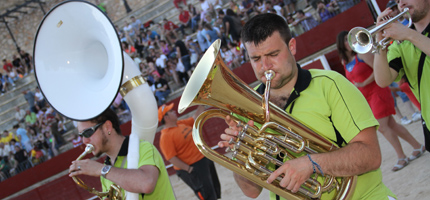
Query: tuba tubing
x=213, y=84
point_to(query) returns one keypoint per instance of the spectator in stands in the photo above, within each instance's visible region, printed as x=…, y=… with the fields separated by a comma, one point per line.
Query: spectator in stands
x=274, y=8
x=21, y=156
x=129, y=49
x=162, y=90
x=201, y=39
x=23, y=137
x=7, y=136
x=4, y=168
x=20, y=114
x=128, y=30
x=182, y=53
x=5, y=149
x=306, y=20
x=207, y=9
x=52, y=144
x=31, y=118
x=19, y=66
x=136, y=24
x=246, y=8
x=3, y=84
x=232, y=25
x=29, y=97
x=141, y=44
x=325, y=12
x=290, y=6
x=177, y=146
x=160, y=62
x=194, y=13
x=169, y=29
x=178, y=72
x=36, y=154
x=57, y=135
x=28, y=60
x=210, y=33
x=194, y=51
x=11, y=75
x=40, y=99
x=164, y=47
x=13, y=164
x=186, y=20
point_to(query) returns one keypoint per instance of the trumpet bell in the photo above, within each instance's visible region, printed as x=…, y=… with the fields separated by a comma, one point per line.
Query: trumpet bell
x=78, y=63
x=360, y=40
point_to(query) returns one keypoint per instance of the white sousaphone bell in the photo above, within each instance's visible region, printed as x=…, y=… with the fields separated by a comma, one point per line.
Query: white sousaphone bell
x=80, y=68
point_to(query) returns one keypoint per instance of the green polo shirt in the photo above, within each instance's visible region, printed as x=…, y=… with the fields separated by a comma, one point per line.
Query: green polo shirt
x=329, y=104
x=149, y=155
x=404, y=58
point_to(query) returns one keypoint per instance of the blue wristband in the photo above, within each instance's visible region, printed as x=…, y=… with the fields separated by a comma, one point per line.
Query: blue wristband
x=315, y=164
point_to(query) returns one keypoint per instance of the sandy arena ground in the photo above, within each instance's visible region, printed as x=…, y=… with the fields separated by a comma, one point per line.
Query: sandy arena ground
x=412, y=182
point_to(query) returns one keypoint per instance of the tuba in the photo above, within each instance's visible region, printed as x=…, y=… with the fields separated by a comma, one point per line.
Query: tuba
x=213, y=84
x=80, y=69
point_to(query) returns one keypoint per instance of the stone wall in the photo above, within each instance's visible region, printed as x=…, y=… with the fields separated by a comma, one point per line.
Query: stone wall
x=24, y=28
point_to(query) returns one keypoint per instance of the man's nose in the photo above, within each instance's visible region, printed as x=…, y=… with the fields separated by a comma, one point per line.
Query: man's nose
x=267, y=64
x=86, y=140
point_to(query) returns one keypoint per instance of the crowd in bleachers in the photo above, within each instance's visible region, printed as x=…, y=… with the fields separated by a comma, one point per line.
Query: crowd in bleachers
x=36, y=136
x=166, y=52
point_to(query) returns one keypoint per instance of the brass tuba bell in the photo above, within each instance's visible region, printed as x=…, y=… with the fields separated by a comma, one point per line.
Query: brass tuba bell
x=213, y=84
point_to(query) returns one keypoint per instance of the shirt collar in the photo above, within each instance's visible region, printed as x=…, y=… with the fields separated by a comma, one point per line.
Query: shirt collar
x=304, y=78
x=122, y=152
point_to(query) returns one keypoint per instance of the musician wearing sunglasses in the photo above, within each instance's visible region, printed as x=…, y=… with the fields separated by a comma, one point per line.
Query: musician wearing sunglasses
x=408, y=58
x=150, y=179
x=324, y=101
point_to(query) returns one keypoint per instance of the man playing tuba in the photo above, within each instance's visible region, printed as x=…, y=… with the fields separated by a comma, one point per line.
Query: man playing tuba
x=150, y=179
x=324, y=101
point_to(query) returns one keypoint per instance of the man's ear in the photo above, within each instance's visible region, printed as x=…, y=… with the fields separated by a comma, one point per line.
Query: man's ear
x=292, y=46
x=108, y=125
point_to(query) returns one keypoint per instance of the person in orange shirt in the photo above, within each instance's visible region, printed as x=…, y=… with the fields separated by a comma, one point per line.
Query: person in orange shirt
x=177, y=146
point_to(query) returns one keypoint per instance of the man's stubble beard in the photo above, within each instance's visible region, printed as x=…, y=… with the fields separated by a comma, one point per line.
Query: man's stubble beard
x=105, y=140
x=421, y=13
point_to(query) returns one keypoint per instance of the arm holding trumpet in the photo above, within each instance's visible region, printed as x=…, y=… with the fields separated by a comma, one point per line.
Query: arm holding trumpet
x=384, y=74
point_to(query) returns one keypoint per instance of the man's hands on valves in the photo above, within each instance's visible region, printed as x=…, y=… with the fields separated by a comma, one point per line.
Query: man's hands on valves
x=293, y=172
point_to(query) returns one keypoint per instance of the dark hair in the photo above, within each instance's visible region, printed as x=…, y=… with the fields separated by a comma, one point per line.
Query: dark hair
x=230, y=12
x=341, y=48
x=262, y=26
x=110, y=115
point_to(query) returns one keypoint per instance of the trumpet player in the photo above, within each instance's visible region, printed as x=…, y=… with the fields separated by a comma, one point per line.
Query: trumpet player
x=409, y=58
x=324, y=101
x=150, y=180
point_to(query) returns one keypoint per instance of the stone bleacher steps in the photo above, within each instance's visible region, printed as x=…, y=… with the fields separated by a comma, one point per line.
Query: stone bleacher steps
x=13, y=98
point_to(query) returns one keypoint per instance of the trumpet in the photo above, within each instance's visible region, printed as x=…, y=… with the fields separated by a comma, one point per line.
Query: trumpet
x=362, y=40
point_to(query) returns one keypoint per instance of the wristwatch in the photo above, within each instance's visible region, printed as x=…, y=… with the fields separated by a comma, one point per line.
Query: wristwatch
x=105, y=170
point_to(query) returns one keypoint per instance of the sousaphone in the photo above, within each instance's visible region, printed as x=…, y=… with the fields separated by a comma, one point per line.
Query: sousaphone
x=80, y=68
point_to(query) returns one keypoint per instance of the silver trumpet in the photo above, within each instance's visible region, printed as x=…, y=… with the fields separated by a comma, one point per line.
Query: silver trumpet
x=362, y=40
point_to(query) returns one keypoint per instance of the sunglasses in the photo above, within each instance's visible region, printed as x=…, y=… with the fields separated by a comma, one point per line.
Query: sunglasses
x=90, y=131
